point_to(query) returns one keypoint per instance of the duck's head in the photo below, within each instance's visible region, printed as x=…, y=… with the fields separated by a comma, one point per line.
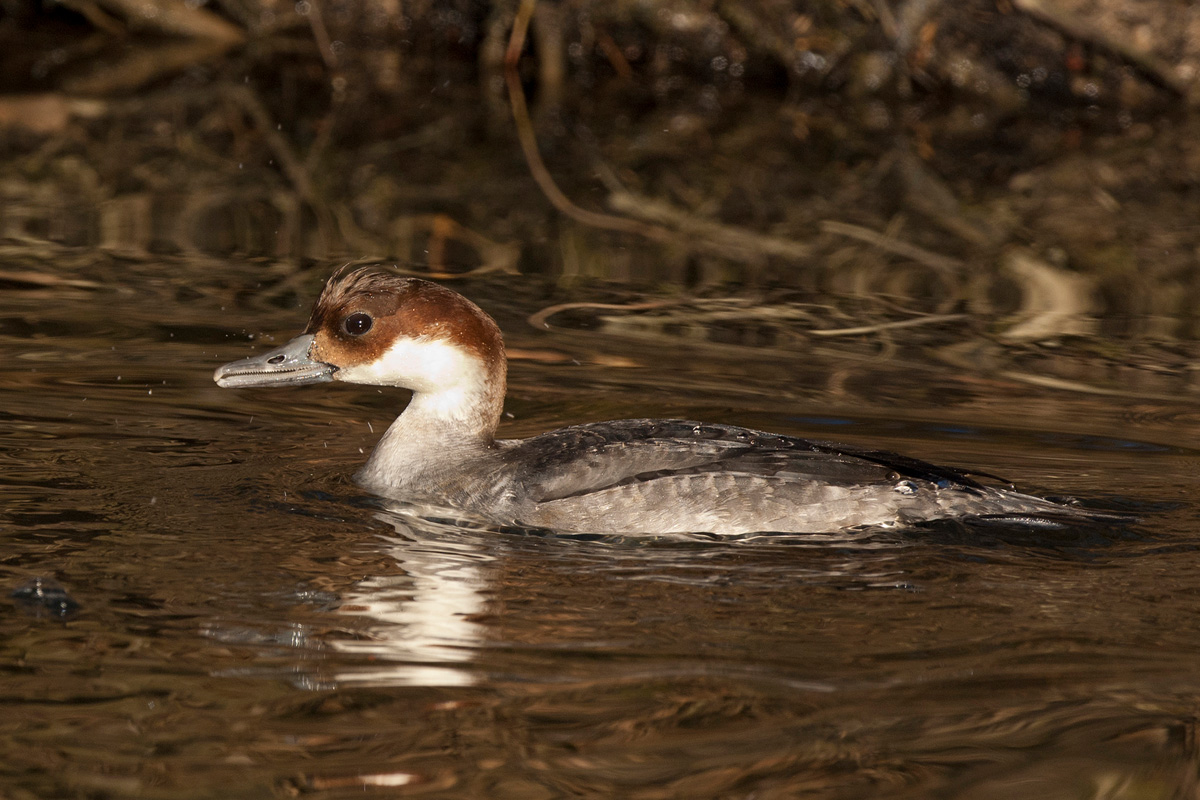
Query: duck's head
x=375, y=327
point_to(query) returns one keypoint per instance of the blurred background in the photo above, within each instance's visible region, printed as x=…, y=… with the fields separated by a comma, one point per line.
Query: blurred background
x=966, y=231
x=1029, y=164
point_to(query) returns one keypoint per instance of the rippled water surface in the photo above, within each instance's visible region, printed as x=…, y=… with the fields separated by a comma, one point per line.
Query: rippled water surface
x=243, y=622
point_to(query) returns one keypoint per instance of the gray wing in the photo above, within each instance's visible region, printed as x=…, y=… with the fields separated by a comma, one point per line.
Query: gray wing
x=591, y=458
x=663, y=476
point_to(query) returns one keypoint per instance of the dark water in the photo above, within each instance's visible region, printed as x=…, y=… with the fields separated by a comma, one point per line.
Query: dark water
x=243, y=622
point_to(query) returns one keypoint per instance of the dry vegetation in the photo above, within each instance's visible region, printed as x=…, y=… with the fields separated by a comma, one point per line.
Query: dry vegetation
x=1025, y=170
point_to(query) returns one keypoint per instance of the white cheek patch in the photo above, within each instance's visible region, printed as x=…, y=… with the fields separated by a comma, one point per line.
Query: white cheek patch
x=424, y=365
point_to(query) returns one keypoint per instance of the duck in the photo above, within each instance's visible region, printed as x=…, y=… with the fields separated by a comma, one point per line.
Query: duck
x=373, y=326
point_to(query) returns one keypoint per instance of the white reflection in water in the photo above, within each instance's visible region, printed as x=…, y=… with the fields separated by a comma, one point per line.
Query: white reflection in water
x=425, y=623
x=427, y=633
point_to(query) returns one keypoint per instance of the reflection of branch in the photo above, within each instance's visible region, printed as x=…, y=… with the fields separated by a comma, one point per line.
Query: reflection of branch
x=493, y=256
x=892, y=245
x=175, y=18
x=663, y=222
x=728, y=240
x=96, y=15
x=1050, y=382
x=316, y=21
x=42, y=279
x=288, y=162
x=538, y=320
x=295, y=171
x=537, y=167
x=887, y=326
x=146, y=62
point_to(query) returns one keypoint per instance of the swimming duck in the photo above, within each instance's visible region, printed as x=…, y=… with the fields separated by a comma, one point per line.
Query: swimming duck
x=647, y=476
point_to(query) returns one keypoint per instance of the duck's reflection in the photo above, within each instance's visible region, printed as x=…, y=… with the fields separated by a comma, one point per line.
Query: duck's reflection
x=427, y=633
x=429, y=619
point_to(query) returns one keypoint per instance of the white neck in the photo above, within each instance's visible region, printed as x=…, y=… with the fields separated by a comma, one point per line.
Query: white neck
x=451, y=387
x=452, y=417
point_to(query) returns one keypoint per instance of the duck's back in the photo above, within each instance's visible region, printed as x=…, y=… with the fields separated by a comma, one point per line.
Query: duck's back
x=667, y=476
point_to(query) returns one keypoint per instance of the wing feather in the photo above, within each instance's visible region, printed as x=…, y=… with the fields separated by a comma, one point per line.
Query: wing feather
x=586, y=459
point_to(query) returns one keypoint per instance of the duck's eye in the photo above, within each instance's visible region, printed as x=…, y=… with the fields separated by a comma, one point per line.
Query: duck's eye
x=357, y=323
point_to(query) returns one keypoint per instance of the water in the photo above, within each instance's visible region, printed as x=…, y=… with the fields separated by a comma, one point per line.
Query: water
x=248, y=624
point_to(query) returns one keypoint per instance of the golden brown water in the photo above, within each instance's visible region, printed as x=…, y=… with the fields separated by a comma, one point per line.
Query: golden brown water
x=250, y=625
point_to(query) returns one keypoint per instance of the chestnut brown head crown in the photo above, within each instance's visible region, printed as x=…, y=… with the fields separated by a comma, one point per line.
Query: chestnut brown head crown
x=373, y=326
x=362, y=312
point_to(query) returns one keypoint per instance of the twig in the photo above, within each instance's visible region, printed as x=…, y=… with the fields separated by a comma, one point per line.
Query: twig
x=149, y=61
x=32, y=278
x=887, y=20
x=926, y=193
x=616, y=58
x=732, y=241
x=743, y=20
x=887, y=326
x=538, y=320
x=528, y=140
x=316, y=21
x=1084, y=30
x=295, y=171
x=1049, y=382
x=288, y=162
x=665, y=223
x=892, y=245
x=97, y=16
x=495, y=256
x=913, y=16
x=552, y=56
x=175, y=18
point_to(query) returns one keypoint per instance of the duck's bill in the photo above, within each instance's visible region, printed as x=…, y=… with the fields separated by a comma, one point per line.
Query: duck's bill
x=289, y=365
